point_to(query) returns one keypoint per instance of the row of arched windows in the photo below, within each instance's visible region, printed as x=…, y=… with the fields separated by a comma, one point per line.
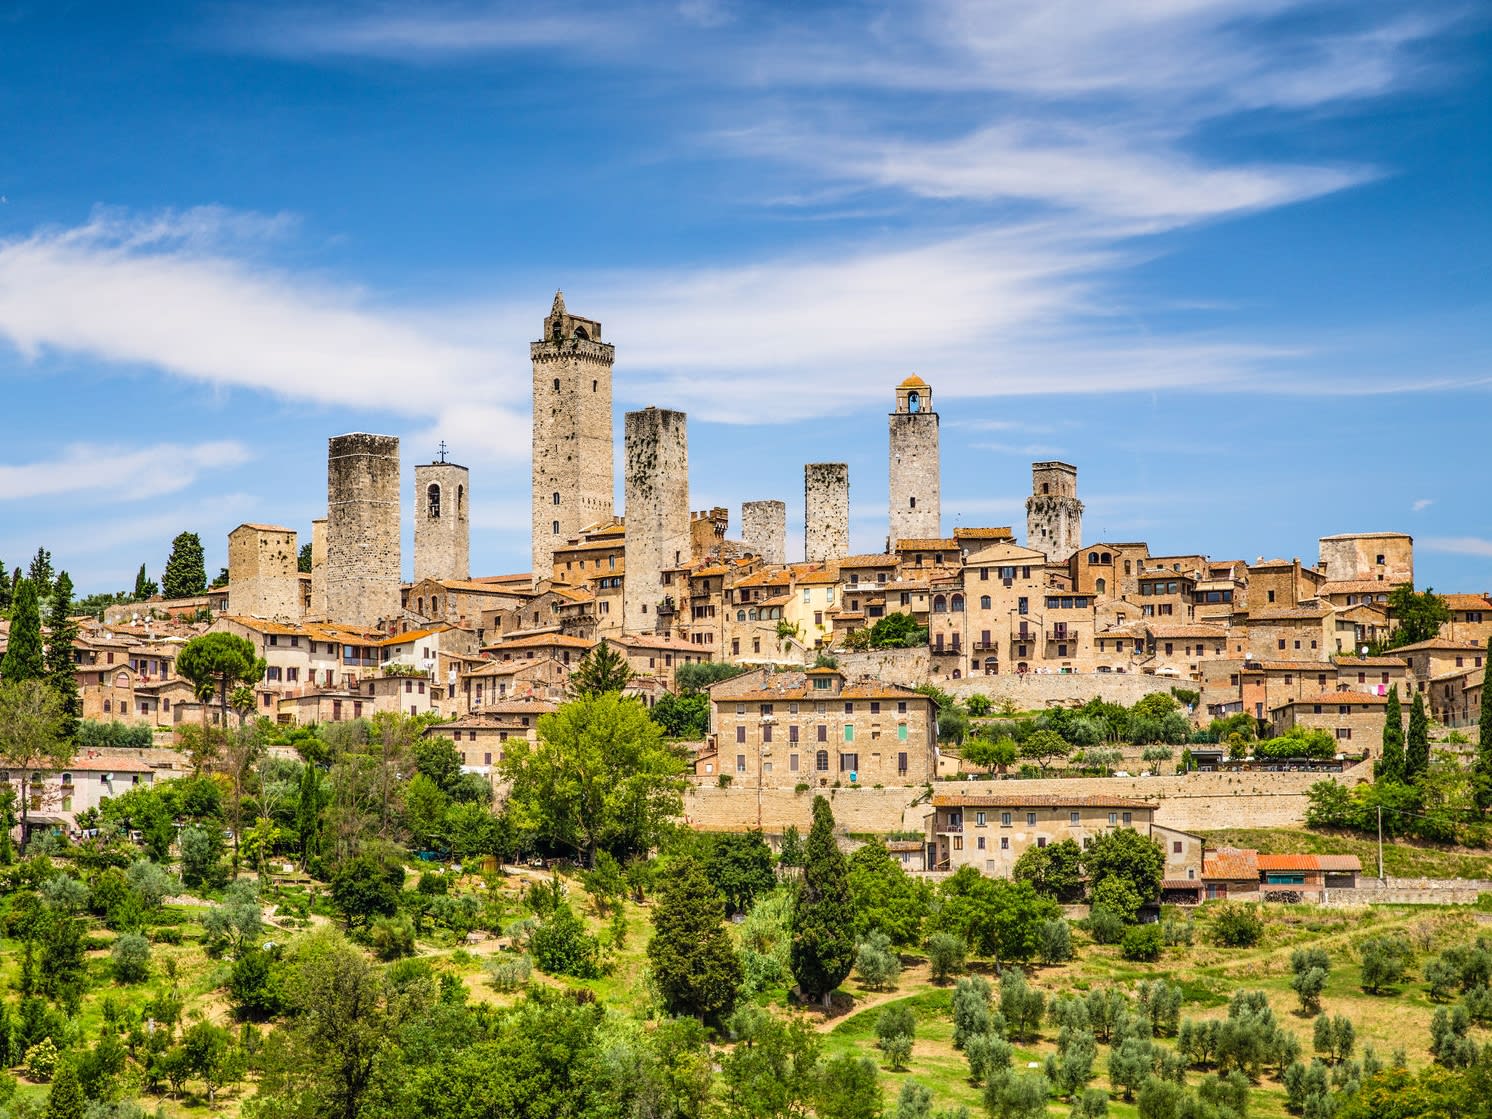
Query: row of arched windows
x=942, y=604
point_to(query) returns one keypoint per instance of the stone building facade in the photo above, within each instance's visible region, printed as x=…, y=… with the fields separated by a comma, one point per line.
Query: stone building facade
x=764, y=529
x=572, y=440
x=656, y=458
x=263, y=575
x=826, y=511
x=916, y=484
x=317, y=609
x=363, y=558
x=1386, y=557
x=442, y=527
x=1054, y=515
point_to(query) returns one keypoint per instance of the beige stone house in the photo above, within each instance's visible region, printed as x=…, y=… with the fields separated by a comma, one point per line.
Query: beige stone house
x=1354, y=719
x=990, y=831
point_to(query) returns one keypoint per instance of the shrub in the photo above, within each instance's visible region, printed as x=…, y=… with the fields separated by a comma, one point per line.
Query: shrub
x=1105, y=926
x=1237, y=926
x=971, y=1009
x=876, y=961
x=1385, y=960
x=1142, y=943
x=130, y=958
x=1054, y=941
x=561, y=946
x=895, y=1029
x=392, y=938
x=945, y=955
x=41, y=1060
x=509, y=973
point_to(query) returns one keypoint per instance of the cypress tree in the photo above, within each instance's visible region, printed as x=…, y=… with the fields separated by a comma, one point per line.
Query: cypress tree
x=144, y=586
x=1417, y=751
x=1390, y=764
x=40, y=573
x=61, y=632
x=65, y=1101
x=24, y=657
x=4, y=589
x=186, y=573
x=1482, y=768
x=693, y=962
x=823, y=948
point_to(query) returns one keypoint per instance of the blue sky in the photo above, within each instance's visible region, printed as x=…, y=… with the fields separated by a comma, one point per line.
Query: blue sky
x=1232, y=259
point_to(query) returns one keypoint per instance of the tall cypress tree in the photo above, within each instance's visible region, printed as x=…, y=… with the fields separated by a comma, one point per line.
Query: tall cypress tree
x=4, y=588
x=61, y=632
x=1483, y=765
x=1417, y=750
x=24, y=656
x=186, y=573
x=823, y=949
x=40, y=573
x=693, y=962
x=1390, y=764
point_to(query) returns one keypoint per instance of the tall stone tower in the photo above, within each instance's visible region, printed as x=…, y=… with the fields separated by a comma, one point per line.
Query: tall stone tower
x=764, y=529
x=363, y=562
x=826, y=511
x=1054, y=515
x=263, y=573
x=318, y=570
x=916, y=486
x=572, y=470
x=656, y=457
x=442, y=531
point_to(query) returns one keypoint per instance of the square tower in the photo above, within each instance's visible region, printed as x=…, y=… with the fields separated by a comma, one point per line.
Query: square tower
x=1054, y=515
x=442, y=530
x=826, y=511
x=264, y=572
x=764, y=529
x=572, y=444
x=656, y=457
x=363, y=557
x=916, y=485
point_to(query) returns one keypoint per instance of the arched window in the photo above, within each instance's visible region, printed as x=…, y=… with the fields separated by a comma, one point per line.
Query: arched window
x=740, y=615
x=555, y=497
x=1106, y=558
x=1092, y=557
x=1102, y=586
x=821, y=761
x=432, y=501
x=958, y=673
x=940, y=604
x=554, y=527
x=751, y=614
x=984, y=602
x=460, y=499
x=1046, y=487
x=435, y=604
x=1126, y=567
x=419, y=606
x=581, y=332
x=958, y=604
x=914, y=401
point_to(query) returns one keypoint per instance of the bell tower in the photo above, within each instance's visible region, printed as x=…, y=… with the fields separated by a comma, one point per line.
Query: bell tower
x=916, y=485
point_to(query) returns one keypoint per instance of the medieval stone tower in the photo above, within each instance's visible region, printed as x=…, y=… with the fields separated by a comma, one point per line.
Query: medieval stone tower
x=1054, y=515
x=363, y=562
x=442, y=531
x=263, y=572
x=572, y=470
x=764, y=529
x=317, y=609
x=916, y=487
x=826, y=511
x=656, y=458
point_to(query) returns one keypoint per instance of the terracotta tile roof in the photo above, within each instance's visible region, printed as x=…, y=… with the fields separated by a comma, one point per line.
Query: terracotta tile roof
x=414, y=635
x=1467, y=601
x=1371, y=662
x=1180, y=884
x=1309, y=862
x=818, y=578
x=101, y=765
x=1441, y=643
x=1291, y=614
x=1232, y=863
x=1369, y=536
x=997, y=532
x=927, y=544
x=1184, y=630
x=472, y=586
x=1366, y=699
x=265, y=528
x=1036, y=800
x=656, y=641
x=1289, y=666
x=712, y=569
x=544, y=641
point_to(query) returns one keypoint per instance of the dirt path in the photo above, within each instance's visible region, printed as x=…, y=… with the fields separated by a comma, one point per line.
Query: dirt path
x=918, y=977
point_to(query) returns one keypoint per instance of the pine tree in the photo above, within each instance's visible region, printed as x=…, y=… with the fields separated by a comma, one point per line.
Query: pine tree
x=1417, y=752
x=24, y=656
x=691, y=955
x=41, y=573
x=1390, y=764
x=823, y=948
x=186, y=574
x=65, y=1101
x=1483, y=765
x=600, y=671
x=61, y=632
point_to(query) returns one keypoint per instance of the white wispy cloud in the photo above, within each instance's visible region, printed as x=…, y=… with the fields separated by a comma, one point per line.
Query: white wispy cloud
x=1457, y=545
x=128, y=473
x=1421, y=504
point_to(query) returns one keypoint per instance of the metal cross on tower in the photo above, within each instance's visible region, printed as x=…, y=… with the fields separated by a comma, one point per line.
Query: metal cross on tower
x=442, y=450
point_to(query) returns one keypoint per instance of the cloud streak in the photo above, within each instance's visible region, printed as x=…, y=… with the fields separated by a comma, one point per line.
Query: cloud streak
x=132, y=474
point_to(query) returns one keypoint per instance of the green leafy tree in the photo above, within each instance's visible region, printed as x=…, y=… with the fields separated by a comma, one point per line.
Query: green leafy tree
x=367, y=886
x=693, y=961
x=145, y=586
x=25, y=658
x=885, y=896
x=32, y=734
x=219, y=662
x=945, y=955
x=65, y=1100
x=40, y=573
x=1482, y=766
x=1385, y=961
x=303, y=559
x=897, y=631
x=773, y=1071
x=740, y=867
x=1055, y=871
x=602, y=671
x=1390, y=765
x=1237, y=925
x=1044, y=747
x=202, y=851
x=693, y=678
x=1417, y=745
x=1126, y=854
x=186, y=573
x=990, y=754
x=684, y=716
x=1309, y=968
x=877, y=962
x=600, y=777
x=823, y=946
x=130, y=958
x=848, y=1089
x=1416, y=617
x=994, y=916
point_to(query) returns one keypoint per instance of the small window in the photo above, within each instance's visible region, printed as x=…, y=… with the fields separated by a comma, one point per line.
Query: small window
x=1030, y=819
x=1072, y=818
